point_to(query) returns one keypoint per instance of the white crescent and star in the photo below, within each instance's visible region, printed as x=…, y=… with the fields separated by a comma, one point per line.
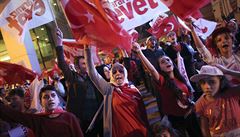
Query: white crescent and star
x=89, y=17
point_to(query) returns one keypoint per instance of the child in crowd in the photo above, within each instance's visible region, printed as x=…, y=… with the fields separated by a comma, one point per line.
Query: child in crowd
x=222, y=44
x=218, y=107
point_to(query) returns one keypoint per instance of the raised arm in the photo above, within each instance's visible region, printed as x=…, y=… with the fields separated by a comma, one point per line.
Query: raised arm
x=102, y=85
x=145, y=61
x=207, y=56
x=228, y=71
x=68, y=74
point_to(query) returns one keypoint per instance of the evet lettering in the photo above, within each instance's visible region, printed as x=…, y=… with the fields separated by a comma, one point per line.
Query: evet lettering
x=18, y=18
x=129, y=7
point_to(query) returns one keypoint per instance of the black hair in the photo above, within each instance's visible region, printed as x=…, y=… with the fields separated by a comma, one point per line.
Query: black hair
x=76, y=60
x=100, y=70
x=158, y=129
x=169, y=83
x=17, y=91
x=217, y=32
x=45, y=88
x=224, y=84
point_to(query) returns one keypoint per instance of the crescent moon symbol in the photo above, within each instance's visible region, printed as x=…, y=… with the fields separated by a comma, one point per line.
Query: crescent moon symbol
x=171, y=25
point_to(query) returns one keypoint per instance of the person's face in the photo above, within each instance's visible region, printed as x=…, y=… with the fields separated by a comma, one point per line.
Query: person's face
x=16, y=102
x=106, y=72
x=49, y=100
x=172, y=38
x=165, y=133
x=166, y=64
x=210, y=85
x=151, y=43
x=107, y=60
x=82, y=65
x=224, y=43
x=118, y=74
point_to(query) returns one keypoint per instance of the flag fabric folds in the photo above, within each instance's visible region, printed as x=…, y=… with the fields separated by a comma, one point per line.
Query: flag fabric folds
x=164, y=25
x=90, y=23
x=204, y=28
x=14, y=73
x=73, y=49
x=184, y=8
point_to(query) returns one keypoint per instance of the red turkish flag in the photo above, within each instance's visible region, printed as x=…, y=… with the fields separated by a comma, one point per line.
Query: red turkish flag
x=73, y=49
x=162, y=26
x=184, y=8
x=90, y=22
x=14, y=73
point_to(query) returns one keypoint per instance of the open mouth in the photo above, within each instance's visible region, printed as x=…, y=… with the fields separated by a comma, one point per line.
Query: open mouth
x=225, y=46
x=51, y=104
x=168, y=66
x=118, y=77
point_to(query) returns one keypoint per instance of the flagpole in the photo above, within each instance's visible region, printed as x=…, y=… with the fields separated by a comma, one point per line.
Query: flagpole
x=61, y=6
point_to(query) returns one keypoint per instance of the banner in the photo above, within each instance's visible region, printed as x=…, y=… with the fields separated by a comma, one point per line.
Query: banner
x=20, y=15
x=133, y=13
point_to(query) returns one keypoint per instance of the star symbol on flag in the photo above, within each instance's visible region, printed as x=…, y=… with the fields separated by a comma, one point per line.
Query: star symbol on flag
x=89, y=16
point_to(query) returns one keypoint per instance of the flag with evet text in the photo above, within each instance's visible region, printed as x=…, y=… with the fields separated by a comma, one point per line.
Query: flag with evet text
x=18, y=16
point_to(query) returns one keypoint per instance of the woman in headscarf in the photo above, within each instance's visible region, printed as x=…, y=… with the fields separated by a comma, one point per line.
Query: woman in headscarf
x=124, y=114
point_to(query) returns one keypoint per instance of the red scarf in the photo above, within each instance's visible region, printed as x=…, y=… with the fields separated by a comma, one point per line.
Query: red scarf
x=57, y=110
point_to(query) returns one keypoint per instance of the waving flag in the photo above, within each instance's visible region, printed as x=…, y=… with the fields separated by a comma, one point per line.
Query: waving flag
x=89, y=21
x=184, y=8
x=73, y=49
x=164, y=25
x=204, y=28
x=14, y=73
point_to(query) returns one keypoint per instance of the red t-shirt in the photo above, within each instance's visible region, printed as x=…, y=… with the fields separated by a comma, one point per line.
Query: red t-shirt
x=222, y=113
x=128, y=113
x=169, y=105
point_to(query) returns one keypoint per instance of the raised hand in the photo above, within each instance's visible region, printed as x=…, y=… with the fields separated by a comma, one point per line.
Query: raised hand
x=59, y=37
x=189, y=23
x=136, y=47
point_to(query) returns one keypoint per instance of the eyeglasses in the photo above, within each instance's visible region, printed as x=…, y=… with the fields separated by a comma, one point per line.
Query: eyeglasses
x=120, y=70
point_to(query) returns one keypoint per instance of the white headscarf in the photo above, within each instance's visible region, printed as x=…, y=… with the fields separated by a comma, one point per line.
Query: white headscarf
x=125, y=81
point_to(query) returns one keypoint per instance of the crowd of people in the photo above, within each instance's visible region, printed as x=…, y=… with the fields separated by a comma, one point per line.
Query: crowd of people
x=196, y=84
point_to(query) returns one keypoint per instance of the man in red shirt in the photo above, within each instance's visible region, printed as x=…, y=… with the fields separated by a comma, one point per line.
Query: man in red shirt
x=53, y=122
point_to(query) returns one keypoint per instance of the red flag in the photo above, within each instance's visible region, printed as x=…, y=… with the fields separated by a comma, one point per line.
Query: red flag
x=89, y=22
x=73, y=49
x=197, y=14
x=14, y=73
x=184, y=8
x=163, y=26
